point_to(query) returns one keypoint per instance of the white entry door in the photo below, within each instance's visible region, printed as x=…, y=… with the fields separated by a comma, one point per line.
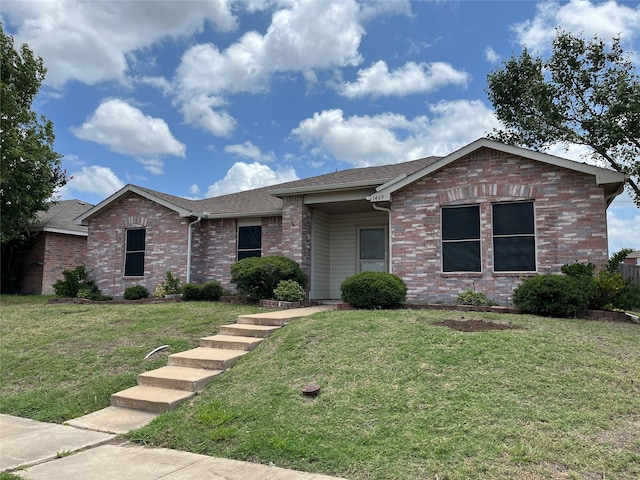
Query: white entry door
x=372, y=249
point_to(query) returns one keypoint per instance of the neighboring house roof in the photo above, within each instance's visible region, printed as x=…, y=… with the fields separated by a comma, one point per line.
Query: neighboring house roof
x=60, y=218
x=635, y=254
x=385, y=179
x=612, y=181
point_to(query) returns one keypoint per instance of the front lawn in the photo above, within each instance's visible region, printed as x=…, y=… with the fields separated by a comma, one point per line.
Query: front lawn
x=62, y=361
x=402, y=397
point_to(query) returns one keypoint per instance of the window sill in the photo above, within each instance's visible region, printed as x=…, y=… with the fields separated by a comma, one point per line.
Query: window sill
x=461, y=274
x=515, y=274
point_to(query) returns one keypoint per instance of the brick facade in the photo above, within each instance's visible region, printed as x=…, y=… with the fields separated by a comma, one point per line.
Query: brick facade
x=49, y=257
x=296, y=231
x=165, y=244
x=569, y=215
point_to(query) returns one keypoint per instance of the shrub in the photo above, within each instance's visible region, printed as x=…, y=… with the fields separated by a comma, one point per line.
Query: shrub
x=374, y=290
x=628, y=298
x=207, y=291
x=289, y=291
x=258, y=277
x=551, y=295
x=471, y=297
x=136, y=292
x=76, y=280
x=170, y=286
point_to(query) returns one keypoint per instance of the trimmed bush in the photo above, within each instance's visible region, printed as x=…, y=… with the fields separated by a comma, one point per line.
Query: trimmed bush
x=76, y=280
x=289, y=291
x=551, y=295
x=374, y=290
x=209, y=291
x=471, y=297
x=136, y=292
x=258, y=277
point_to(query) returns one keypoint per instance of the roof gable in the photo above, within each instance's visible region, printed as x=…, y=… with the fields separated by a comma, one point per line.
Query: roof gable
x=602, y=176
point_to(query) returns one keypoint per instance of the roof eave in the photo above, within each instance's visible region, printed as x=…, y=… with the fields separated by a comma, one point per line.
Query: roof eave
x=334, y=187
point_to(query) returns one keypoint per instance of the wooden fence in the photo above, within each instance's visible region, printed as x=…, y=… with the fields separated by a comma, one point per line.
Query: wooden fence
x=630, y=271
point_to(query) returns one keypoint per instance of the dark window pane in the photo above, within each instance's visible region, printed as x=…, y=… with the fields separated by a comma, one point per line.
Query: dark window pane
x=134, y=265
x=513, y=219
x=514, y=254
x=135, y=240
x=461, y=257
x=372, y=243
x=461, y=223
x=250, y=237
x=248, y=253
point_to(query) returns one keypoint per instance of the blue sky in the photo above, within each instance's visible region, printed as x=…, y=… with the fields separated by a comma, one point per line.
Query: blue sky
x=203, y=98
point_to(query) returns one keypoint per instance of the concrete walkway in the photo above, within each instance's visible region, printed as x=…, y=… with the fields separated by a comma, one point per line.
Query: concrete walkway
x=82, y=449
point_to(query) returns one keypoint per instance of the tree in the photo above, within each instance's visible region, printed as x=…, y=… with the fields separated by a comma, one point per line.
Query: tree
x=584, y=94
x=30, y=170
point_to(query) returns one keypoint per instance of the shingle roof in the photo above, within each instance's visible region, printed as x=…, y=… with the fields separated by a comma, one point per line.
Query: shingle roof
x=60, y=218
x=265, y=200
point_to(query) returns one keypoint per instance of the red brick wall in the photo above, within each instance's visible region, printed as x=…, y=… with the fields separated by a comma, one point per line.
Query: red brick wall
x=214, y=251
x=296, y=232
x=570, y=222
x=53, y=253
x=165, y=248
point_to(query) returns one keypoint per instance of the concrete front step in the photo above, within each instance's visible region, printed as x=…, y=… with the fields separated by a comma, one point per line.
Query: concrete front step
x=230, y=342
x=262, y=319
x=178, y=378
x=151, y=399
x=247, y=330
x=203, y=357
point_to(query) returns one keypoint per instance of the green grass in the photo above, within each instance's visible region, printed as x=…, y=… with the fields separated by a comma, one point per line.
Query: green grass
x=63, y=361
x=401, y=397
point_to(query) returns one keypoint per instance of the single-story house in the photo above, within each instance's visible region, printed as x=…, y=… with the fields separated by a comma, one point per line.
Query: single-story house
x=633, y=258
x=59, y=244
x=479, y=218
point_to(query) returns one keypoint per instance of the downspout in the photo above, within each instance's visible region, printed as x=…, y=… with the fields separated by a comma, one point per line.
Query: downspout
x=388, y=210
x=189, y=249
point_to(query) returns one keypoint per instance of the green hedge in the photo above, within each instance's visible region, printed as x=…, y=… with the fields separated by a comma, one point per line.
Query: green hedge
x=374, y=290
x=258, y=277
x=209, y=291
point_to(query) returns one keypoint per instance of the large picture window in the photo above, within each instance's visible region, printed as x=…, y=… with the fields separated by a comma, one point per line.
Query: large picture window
x=461, y=239
x=514, y=243
x=249, y=241
x=134, y=253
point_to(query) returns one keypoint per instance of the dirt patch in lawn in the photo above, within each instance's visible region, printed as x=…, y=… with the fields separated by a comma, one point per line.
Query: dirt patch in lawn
x=475, y=325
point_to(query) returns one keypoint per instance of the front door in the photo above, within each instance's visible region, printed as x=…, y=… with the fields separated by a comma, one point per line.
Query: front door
x=372, y=249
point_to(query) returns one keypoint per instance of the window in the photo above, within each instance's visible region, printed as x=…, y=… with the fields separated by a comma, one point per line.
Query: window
x=134, y=253
x=461, y=239
x=372, y=248
x=514, y=243
x=249, y=242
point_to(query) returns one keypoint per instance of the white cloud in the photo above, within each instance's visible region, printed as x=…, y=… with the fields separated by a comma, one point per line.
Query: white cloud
x=243, y=176
x=125, y=129
x=411, y=78
x=249, y=150
x=93, y=41
x=605, y=19
x=392, y=138
x=95, y=179
x=491, y=56
x=194, y=189
x=303, y=36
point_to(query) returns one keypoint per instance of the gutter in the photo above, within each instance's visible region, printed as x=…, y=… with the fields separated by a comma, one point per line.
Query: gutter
x=189, y=234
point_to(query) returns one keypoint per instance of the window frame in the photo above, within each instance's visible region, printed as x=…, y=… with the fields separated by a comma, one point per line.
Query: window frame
x=128, y=254
x=532, y=235
x=242, y=253
x=446, y=242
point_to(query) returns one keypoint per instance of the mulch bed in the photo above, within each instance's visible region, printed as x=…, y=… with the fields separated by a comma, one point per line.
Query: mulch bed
x=475, y=325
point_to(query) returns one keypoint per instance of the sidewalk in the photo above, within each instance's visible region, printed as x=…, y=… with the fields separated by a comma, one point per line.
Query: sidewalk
x=87, y=448
x=91, y=455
